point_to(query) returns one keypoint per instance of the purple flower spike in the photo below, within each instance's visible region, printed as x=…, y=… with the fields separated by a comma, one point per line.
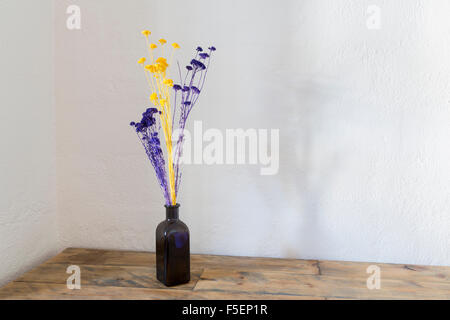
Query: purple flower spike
x=176, y=87
x=204, y=55
x=147, y=131
x=186, y=89
x=199, y=49
x=189, y=68
x=187, y=103
x=212, y=48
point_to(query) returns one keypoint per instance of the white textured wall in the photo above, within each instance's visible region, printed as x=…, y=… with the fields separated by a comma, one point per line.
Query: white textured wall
x=363, y=115
x=28, y=224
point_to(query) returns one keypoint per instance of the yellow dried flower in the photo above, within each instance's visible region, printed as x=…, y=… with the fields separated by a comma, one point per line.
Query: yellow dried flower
x=161, y=64
x=175, y=45
x=161, y=60
x=141, y=60
x=146, y=33
x=168, y=82
x=162, y=41
x=153, y=46
x=153, y=96
x=162, y=102
x=150, y=67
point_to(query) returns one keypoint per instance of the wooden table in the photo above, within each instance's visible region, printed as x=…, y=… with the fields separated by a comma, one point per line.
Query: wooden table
x=131, y=275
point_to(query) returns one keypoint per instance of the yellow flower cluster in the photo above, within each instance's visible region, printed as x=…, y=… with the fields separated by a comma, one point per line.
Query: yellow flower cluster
x=160, y=66
x=156, y=73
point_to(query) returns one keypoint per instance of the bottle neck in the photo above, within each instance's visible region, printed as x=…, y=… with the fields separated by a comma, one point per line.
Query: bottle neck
x=172, y=212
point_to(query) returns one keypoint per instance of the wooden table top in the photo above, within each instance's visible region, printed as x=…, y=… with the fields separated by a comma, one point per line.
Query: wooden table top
x=109, y=274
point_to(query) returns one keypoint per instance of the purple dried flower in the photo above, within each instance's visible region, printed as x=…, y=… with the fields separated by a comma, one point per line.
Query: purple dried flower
x=148, y=119
x=195, y=89
x=186, y=89
x=189, y=68
x=155, y=141
x=204, y=55
x=176, y=87
x=197, y=64
x=212, y=48
x=199, y=49
x=139, y=127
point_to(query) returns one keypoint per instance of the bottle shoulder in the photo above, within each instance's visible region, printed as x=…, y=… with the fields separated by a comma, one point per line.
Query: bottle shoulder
x=169, y=226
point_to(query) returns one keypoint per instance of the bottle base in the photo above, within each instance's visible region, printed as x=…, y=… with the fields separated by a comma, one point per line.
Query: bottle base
x=173, y=283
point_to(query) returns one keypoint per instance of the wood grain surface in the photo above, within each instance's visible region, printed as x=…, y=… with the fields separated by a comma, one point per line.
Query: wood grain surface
x=107, y=274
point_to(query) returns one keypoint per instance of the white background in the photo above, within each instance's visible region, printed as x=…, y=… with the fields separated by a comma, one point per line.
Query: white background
x=28, y=220
x=363, y=114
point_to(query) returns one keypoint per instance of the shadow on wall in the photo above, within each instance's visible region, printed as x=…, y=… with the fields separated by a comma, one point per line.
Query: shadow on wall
x=307, y=166
x=315, y=174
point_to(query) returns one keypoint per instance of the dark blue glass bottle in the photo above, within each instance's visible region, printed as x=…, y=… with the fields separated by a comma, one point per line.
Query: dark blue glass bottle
x=172, y=249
